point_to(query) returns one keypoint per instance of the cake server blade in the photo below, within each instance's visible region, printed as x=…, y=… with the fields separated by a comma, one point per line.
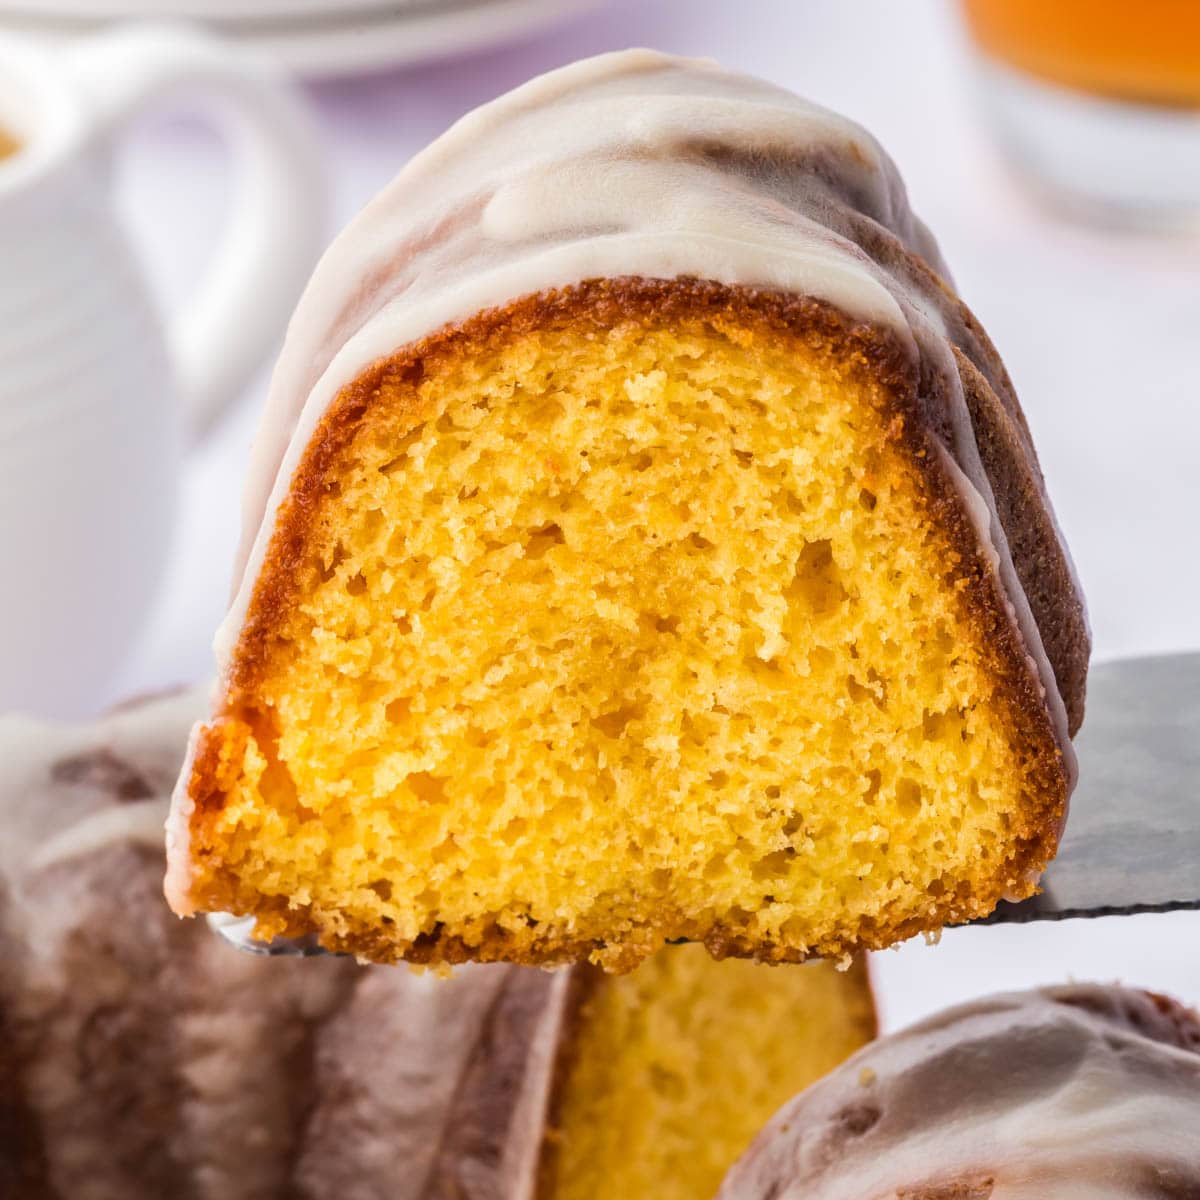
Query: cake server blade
x=1132, y=842
x=1133, y=837
x=239, y=932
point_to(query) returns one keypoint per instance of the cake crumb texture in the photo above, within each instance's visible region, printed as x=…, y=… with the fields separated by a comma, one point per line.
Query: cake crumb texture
x=682, y=1045
x=584, y=635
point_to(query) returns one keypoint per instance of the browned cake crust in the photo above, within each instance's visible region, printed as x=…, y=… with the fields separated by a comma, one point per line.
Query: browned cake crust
x=1000, y=429
x=1011, y=463
x=918, y=426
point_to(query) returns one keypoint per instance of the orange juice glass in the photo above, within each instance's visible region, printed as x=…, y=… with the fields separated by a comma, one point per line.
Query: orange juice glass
x=1098, y=99
x=1144, y=51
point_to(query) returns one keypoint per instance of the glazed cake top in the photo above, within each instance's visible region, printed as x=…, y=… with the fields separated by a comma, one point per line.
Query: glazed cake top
x=629, y=164
x=1079, y=1092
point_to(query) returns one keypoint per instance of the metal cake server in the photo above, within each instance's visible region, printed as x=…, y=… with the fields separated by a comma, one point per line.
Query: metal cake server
x=1132, y=842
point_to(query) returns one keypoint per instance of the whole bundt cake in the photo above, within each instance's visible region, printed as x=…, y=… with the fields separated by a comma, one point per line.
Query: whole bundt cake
x=142, y=1058
x=1071, y=1093
x=643, y=543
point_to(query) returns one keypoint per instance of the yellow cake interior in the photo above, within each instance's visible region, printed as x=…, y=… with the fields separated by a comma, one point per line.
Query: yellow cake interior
x=679, y=1064
x=629, y=635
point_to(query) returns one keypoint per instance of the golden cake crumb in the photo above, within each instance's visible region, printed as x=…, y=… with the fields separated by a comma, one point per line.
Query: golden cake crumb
x=605, y=635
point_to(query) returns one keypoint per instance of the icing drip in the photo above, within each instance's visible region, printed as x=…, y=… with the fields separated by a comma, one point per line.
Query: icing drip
x=72, y=790
x=1079, y=1092
x=629, y=164
x=140, y=824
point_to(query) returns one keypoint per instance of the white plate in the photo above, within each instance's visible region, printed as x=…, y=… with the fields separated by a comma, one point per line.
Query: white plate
x=317, y=38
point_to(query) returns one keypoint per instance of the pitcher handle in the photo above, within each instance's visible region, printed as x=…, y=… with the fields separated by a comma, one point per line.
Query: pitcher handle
x=277, y=222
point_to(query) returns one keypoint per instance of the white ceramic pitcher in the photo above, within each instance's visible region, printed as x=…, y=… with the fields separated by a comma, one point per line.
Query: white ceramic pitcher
x=98, y=393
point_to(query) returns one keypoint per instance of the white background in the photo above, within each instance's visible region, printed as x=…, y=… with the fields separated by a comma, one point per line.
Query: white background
x=1100, y=332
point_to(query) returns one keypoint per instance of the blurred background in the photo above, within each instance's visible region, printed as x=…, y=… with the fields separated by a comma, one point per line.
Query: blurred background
x=1060, y=172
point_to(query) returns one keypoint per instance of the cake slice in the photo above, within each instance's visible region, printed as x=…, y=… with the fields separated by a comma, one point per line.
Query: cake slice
x=643, y=543
x=1079, y=1092
x=142, y=1057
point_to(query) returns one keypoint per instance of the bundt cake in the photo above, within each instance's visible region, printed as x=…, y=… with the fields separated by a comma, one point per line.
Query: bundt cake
x=643, y=543
x=1071, y=1093
x=142, y=1057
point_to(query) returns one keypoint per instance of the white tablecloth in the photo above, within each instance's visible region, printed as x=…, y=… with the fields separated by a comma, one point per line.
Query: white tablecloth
x=1099, y=330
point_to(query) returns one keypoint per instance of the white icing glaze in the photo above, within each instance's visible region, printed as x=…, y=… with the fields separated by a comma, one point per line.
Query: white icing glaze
x=434, y=1105
x=629, y=164
x=1055, y=1093
x=178, y=880
x=140, y=823
x=49, y=813
x=531, y=1108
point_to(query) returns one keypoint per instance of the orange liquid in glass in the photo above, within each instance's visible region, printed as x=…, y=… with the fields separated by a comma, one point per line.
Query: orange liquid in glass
x=1147, y=51
x=8, y=143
